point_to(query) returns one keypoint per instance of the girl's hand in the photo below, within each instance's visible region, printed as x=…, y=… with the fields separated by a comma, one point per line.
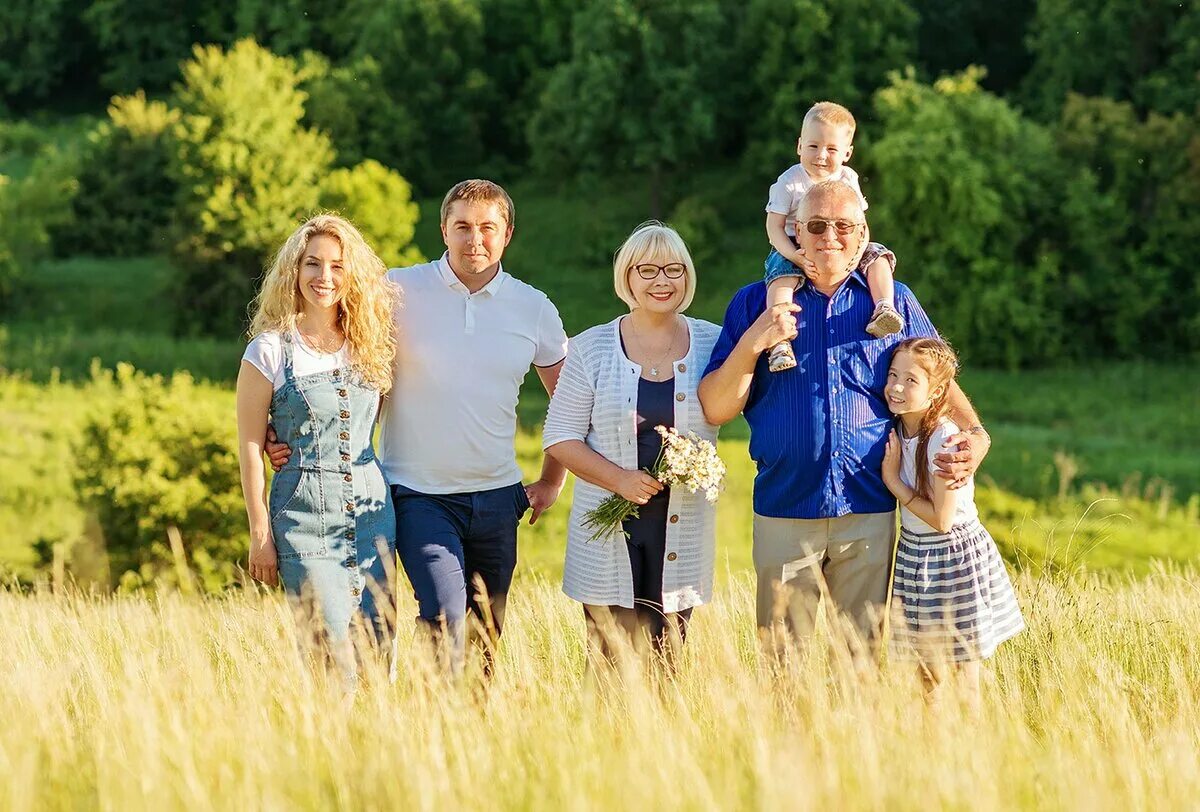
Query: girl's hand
x=637, y=486
x=891, y=458
x=264, y=561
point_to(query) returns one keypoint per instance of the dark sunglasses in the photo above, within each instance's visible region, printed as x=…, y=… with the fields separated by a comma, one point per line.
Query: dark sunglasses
x=648, y=271
x=819, y=226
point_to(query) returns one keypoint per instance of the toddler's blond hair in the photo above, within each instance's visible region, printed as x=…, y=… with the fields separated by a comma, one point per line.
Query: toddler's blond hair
x=832, y=113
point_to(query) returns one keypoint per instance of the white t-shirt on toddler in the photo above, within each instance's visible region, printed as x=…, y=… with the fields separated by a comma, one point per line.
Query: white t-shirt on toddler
x=964, y=507
x=786, y=192
x=265, y=353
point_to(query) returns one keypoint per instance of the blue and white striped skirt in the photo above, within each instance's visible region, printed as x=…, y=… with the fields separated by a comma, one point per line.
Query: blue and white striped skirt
x=951, y=596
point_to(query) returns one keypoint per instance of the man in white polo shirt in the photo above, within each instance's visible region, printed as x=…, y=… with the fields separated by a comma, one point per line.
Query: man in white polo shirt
x=468, y=334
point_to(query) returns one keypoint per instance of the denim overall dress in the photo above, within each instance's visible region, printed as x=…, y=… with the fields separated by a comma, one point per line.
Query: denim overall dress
x=331, y=511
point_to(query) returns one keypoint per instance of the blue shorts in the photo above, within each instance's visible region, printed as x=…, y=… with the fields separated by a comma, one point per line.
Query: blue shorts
x=776, y=266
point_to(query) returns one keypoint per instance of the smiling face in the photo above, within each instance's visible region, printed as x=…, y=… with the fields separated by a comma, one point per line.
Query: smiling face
x=909, y=389
x=831, y=250
x=823, y=149
x=476, y=234
x=321, y=279
x=661, y=293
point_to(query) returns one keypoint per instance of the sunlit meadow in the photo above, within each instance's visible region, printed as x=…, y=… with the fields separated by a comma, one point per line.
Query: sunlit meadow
x=172, y=701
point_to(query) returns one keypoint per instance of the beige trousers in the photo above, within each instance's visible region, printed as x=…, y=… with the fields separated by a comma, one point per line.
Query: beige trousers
x=847, y=560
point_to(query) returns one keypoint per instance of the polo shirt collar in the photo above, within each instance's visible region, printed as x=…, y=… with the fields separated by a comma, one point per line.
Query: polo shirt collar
x=452, y=280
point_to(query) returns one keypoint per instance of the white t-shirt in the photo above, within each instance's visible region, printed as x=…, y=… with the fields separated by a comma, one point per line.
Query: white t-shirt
x=451, y=418
x=964, y=507
x=265, y=352
x=786, y=192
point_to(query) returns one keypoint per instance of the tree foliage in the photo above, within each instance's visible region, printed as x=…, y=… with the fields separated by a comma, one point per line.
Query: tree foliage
x=126, y=195
x=247, y=172
x=965, y=197
x=1143, y=51
x=633, y=96
x=802, y=51
x=379, y=202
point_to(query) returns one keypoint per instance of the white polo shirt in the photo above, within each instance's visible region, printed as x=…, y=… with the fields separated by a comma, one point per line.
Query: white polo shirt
x=451, y=418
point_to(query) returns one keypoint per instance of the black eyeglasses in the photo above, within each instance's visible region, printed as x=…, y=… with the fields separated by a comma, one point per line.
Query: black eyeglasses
x=820, y=226
x=672, y=270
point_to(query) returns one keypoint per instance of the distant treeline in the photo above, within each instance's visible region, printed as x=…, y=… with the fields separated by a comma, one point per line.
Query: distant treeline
x=1048, y=193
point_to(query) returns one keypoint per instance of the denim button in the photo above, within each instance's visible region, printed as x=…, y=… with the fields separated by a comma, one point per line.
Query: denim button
x=344, y=435
x=345, y=415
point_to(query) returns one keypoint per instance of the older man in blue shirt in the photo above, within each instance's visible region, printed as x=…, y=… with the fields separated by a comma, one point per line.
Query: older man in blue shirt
x=823, y=519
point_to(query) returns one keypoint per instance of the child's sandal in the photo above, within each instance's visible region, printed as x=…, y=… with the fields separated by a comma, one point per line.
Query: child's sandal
x=885, y=321
x=782, y=357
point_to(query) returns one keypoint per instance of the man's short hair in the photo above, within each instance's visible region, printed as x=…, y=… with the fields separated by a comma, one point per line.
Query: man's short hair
x=834, y=191
x=477, y=190
x=832, y=113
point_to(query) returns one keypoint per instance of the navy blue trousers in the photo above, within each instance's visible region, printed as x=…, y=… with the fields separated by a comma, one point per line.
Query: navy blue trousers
x=451, y=544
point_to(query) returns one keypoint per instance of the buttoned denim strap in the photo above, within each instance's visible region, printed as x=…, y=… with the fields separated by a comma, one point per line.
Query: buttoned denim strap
x=289, y=374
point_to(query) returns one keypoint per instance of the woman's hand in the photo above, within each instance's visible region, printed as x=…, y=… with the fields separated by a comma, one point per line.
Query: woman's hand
x=891, y=460
x=637, y=486
x=264, y=561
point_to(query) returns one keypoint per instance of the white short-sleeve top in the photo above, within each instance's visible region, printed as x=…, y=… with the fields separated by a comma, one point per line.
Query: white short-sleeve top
x=450, y=420
x=786, y=192
x=265, y=353
x=596, y=402
x=964, y=497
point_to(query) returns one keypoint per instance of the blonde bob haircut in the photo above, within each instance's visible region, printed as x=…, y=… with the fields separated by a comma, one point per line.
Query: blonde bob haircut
x=365, y=311
x=660, y=244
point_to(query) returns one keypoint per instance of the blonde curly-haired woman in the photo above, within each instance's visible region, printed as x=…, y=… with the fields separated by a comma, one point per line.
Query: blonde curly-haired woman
x=320, y=357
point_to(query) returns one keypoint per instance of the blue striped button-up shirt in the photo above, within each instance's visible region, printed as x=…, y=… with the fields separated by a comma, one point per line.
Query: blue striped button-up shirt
x=817, y=432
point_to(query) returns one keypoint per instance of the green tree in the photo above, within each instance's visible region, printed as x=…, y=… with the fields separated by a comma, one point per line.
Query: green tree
x=636, y=93
x=247, y=172
x=32, y=207
x=965, y=193
x=34, y=56
x=805, y=51
x=378, y=201
x=142, y=42
x=1143, y=51
x=955, y=34
x=433, y=86
x=126, y=193
x=1129, y=224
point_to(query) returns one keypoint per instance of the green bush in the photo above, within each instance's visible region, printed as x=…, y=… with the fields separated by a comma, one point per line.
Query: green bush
x=156, y=453
x=966, y=191
x=1129, y=223
x=31, y=207
x=126, y=194
x=698, y=223
x=247, y=173
x=379, y=202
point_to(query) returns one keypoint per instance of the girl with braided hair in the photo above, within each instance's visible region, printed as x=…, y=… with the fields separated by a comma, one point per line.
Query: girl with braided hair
x=951, y=594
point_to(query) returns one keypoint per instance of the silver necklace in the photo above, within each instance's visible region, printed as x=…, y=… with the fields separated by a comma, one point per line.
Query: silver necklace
x=654, y=367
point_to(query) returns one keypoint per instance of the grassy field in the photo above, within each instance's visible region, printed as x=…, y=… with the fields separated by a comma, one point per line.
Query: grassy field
x=172, y=702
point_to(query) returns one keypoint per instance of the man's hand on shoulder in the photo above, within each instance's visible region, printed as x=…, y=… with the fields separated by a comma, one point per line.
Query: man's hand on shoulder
x=963, y=455
x=542, y=495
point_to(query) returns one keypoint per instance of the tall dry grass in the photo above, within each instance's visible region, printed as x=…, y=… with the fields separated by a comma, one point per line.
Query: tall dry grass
x=164, y=702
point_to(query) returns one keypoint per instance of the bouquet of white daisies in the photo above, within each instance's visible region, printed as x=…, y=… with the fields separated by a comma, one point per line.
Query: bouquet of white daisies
x=684, y=462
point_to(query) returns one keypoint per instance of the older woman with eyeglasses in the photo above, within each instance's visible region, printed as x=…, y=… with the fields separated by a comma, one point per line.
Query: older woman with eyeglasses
x=620, y=381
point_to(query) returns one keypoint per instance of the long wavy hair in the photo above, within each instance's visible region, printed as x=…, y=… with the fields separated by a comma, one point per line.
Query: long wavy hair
x=940, y=363
x=365, y=311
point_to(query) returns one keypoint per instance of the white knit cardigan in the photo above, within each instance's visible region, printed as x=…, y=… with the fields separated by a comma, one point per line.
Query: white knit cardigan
x=595, y=401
